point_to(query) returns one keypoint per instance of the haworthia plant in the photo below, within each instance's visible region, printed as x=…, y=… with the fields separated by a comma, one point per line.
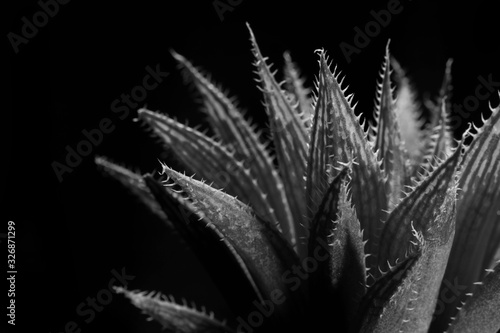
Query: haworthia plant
x=340, y=229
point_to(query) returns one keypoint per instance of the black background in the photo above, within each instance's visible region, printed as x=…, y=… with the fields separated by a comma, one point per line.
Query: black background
x=71, y=234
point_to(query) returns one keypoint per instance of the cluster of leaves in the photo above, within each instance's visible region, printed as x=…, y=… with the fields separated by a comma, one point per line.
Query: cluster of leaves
x=354, y=231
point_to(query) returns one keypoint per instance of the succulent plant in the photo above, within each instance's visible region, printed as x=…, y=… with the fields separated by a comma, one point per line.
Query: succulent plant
x=335, y=222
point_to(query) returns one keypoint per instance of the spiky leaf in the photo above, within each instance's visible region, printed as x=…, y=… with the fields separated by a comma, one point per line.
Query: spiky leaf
x=219, y=257
x=209, y=159
x=337, y=248
x=348, y=270
x=289, y=134
x=478, y=218
x=409, y=118
x=266, y=254
x=294, y=85
x=239, y=136
x=481, y=311
x=134, y=183
x=346, y=141
x=320, y=233
x=423, y=208
x=379, y=294
x=318, y=155
x=174, y=317
x=440, y=133
x=411, y=307
x=387, y=141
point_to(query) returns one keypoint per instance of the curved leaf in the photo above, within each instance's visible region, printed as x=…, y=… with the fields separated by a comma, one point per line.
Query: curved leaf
x=237, y=134
x=387, y=140
x=336, y=244
x=324, y=279
x=134, y=183
x=424, y=208
x=318, y=155
x=481, y=311
x=348, y=270
x=440, y=133
x=441, y=138
x=478, y=221
x=411, y=307
x=218, y=256
x=409, y=117
x=294, y=85
x=261, y=246
x=346, y=141
x=210, y=160
x=380, y=293
x=174, y=317
x=290, y=137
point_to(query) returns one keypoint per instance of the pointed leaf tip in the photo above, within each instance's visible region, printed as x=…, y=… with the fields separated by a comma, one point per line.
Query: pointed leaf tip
x=174, y=317
x=237, y=135
x=134, y=183
x=337, y=137
x=290, y=140
x=338, y=283
x=430, y=207
x=374, y=307
x=263, y=249
x=209, y=160
x=388, y=142
x=299, y=93
x=409, y=118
